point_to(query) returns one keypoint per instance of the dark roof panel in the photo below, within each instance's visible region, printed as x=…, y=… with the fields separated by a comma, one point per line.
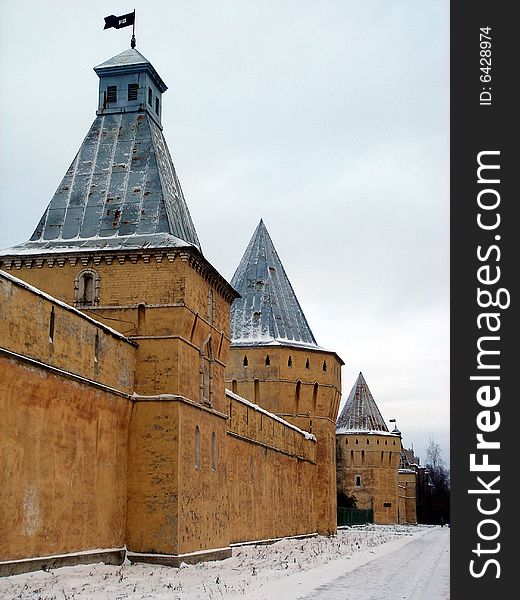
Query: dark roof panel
x=121, y=190
x=360, y=412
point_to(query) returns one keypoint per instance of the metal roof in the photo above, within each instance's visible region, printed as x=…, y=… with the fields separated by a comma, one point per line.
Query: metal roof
x=360, y=412
x=121, y=191
x=130, y=61
x=268, y=311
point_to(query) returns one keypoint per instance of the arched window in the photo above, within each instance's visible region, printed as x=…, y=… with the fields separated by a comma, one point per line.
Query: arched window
x=197, y=447
x=357, y=481
x=357, y=441
x=307, y=364
x=324, y=365
x=213, y=451
x=298, y=392
x=267, y=360
x=289, y=361
x=206, y=372
x=234, y=386
x=86, y=288
x=382, y=456
x=245, y=362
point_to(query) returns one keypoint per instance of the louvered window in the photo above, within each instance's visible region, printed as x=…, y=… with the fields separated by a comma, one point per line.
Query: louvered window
x=132, y=91
x=111, y=93
x=157, y=105
x=150, y=96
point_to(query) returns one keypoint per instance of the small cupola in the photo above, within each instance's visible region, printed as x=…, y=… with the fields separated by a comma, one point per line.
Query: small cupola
x=128, y=83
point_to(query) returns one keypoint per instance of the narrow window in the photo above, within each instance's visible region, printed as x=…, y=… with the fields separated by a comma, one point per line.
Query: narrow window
x=346, y=441
x=156, y=106
x=358, y=481
x=368, y=441
x=267, y=361
x=386, y=442
x=382, y=456
x=150, y=96
x=96, y=348
x=357, y=442
x=51, y=327
x=234, y=386
x=307, y=364
x=324, y=365
x=289, y=361
x=245, y=361
x=132, y=91
x=314, y=398
x=197, y=447
x=257, y=391
x=111, y=94
x=352, y=456
x=141, y=319
x=298, y=392
x=213, y=451
x=362, y=457
x=211, y=306
x=206, y=372
x=250, y=469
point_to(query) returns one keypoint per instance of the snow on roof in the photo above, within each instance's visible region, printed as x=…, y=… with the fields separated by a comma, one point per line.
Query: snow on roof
x=64, y=305
x=306, y=434
x=345, y=430
x=268, y=310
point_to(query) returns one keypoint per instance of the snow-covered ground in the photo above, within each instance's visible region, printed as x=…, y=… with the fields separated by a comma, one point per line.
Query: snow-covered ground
x=287, y=570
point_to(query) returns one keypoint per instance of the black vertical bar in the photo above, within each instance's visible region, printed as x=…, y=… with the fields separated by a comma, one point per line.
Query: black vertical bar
x=483, y=125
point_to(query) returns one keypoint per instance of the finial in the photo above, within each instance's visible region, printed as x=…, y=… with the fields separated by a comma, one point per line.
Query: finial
x=132, y=41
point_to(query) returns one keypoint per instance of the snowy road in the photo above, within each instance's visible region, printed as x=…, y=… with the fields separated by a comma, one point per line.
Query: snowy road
x=369, y=562
x=417, y=571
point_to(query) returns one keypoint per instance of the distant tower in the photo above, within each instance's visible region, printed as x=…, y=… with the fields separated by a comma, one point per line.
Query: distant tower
x=117, y=242
x=367, y=455
x=276, y=362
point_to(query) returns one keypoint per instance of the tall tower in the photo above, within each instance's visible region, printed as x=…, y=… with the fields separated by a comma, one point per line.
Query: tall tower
x=367, y=455
x=276, y=362
x=117, y=242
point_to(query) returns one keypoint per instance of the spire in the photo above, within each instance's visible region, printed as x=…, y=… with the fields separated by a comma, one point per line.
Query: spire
x=121, y=190
x=360, y=412
x=268, y=311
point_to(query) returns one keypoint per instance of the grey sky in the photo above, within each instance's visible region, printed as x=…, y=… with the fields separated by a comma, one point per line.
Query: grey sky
x=330, y=120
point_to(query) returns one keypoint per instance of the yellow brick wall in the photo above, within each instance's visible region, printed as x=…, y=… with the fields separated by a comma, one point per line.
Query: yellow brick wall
x=63, y=445
x=25, y=318
x=407, y=497
x=271, y=474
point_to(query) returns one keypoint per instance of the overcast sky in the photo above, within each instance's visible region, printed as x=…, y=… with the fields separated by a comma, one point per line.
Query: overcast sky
x=328, y=119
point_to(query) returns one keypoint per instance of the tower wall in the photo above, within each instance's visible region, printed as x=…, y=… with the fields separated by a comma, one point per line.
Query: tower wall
x=367, y=466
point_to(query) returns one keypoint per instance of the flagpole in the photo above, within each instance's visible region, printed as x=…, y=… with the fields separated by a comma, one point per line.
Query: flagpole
x=132, y=42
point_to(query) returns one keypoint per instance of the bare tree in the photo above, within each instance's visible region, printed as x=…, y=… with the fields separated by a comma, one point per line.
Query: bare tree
x=434, y=454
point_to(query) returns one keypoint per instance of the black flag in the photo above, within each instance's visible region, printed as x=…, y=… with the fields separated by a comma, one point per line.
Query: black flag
x=118, y=22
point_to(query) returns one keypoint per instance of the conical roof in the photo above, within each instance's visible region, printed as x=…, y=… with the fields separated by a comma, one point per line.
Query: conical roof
x=360, y=413
x=121, y=190
x=268, y=311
